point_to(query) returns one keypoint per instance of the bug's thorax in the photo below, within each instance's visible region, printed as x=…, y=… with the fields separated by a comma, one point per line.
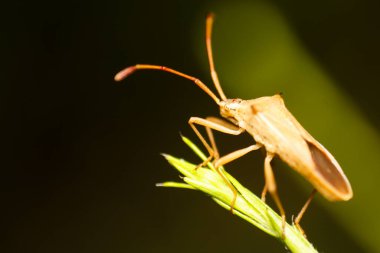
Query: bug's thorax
x=240, y=111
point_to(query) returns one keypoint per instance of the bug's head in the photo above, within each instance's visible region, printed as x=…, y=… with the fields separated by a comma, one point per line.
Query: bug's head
x=229, y=108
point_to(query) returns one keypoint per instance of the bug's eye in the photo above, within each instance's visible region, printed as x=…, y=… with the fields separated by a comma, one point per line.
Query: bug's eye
x=233, y=105
x=236, y=100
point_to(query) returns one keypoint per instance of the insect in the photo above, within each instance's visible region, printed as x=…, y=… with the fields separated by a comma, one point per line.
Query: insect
x=272, y=127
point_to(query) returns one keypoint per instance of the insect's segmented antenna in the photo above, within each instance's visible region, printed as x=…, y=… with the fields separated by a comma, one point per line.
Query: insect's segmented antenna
x=214, y=76
x=129, y=70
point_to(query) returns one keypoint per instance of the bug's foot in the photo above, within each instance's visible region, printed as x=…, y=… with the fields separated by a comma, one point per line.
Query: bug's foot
x=264, y=193
x=233, y=202
x=298, y=226
x=204, y=163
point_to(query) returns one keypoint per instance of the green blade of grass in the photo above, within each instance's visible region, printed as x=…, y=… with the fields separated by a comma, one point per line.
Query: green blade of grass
x=247, y=206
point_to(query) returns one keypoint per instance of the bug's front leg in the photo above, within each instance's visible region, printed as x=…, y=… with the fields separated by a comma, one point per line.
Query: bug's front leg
x=216, y=124
x=212, y=123
x=270, y=185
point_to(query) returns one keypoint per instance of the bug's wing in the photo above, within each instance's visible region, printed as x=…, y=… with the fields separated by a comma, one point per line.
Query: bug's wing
x=335, y=185
x=301, y=151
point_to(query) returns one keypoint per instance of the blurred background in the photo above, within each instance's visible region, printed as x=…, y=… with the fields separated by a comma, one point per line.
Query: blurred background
x=82, y=153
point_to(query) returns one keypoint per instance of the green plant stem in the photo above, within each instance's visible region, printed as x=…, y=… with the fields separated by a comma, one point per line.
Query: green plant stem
x=247, y=206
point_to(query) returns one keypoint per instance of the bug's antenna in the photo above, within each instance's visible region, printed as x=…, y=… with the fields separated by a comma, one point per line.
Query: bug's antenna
x=129, y=70
x=214, y=75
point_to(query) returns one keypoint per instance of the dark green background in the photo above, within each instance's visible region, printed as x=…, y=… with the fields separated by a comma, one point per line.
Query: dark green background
x=81, y=153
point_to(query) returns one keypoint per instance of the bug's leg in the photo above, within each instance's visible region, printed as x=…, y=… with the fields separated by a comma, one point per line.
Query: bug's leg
x=302, y=212
x=235, y=155
x=216, y=124
x=211, y=135
x=270, y=184
x=221, y=126
x=213, y=150
x=264, y=192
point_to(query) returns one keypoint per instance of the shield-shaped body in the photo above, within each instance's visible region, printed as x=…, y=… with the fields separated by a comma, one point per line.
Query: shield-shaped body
x=272, y=125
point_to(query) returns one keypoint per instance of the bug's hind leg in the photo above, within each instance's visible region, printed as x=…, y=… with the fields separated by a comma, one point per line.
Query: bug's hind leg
x=302, y=212
x=270, y=185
